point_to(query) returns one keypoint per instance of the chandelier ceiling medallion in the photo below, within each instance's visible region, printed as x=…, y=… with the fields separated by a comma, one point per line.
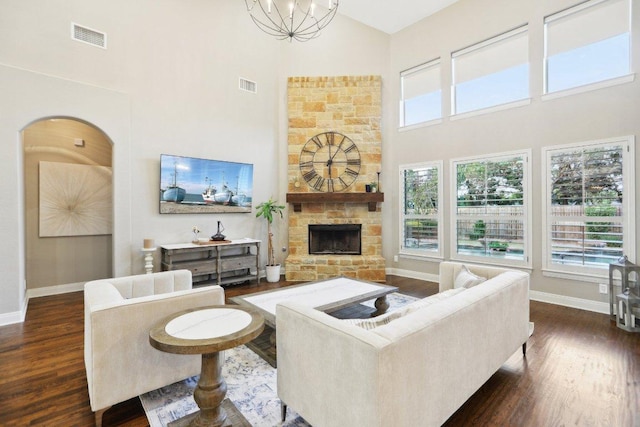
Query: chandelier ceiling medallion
x=301, y=20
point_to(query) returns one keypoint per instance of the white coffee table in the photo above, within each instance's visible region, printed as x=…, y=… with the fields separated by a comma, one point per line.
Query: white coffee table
x=325, y=295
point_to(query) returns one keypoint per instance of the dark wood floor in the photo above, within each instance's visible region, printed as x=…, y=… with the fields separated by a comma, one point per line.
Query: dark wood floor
x=580, y=370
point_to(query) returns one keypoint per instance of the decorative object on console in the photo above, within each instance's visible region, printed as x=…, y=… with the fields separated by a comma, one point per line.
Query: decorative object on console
x=301, y=20
x=329, y=162
x=625, y=268
x=219, y=236
x=192, y=185
x=372, y=187
x=196, y=231
x=267, y=210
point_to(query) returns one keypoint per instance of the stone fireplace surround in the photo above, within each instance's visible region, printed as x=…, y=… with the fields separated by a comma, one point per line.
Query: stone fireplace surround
x=350, y=105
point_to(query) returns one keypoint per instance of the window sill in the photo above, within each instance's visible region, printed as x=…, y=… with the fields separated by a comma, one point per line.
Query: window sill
x=420, y=125
x=520, y=265
x=420, y=257
x=580, y=277
x=489, y=110
x=590, y=87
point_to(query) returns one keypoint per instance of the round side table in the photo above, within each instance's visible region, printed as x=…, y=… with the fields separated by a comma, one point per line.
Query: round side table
x=207, y=331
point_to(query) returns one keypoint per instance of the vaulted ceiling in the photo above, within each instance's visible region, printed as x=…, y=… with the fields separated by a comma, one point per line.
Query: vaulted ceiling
x=391, y=16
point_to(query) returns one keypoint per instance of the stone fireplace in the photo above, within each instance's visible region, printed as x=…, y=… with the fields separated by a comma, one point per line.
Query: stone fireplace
x=352, y=106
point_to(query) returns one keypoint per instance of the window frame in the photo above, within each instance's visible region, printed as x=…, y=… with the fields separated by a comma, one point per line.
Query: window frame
x=427, y=66
x=606, y=82
x=495, y=40
x=585, y=273
x=526, y=261
x=439, y=216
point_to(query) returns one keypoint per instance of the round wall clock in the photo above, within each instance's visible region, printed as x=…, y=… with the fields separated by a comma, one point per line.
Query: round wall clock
x=329, y=162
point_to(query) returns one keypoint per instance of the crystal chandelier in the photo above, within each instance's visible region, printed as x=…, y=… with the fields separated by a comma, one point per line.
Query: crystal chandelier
x=301, y=20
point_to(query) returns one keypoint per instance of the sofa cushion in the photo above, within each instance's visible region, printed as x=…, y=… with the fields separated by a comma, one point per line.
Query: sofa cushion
x=375, y=321
x=466, y=279
x=386, y=318
x=425, y=302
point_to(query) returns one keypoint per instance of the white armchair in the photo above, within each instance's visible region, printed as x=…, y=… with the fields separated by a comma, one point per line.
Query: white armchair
x=119, y=312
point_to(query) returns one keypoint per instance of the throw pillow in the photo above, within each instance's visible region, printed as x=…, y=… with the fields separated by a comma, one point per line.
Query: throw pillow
x=466, y=279
x=374, y=322
x=386, y=318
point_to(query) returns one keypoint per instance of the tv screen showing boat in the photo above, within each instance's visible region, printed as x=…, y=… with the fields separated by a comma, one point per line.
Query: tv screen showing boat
x=193, y=185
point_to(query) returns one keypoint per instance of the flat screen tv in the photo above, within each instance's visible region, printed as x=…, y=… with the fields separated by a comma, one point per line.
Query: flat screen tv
x=192, y=185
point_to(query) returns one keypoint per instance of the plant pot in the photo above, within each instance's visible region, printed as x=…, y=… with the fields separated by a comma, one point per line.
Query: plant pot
x=273, y=273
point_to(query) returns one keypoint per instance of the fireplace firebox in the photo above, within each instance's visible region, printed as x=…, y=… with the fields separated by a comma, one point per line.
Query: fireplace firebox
x=335, y=239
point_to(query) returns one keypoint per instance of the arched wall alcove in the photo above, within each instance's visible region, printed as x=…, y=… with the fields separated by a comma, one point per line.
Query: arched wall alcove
x=28, y=97
x=68, y=184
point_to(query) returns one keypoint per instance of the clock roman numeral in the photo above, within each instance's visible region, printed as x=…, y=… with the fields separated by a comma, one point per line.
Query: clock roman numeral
x=344, y=184
x=319, y=182
x=306, y=164
x=353, y=162
x=329, y=137
x=350, y=148
x=317, y=141
x=310, y=175
x=351, y=172
x=330, y=185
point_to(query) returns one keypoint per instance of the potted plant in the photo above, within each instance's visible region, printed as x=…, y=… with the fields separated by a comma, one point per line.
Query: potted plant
x=268, y=210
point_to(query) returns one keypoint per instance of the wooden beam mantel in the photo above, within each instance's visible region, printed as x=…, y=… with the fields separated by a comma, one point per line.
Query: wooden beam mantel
x=371, y=199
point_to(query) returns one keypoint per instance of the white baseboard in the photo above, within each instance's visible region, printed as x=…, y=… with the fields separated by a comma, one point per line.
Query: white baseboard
x=565, y=301
x=14, y=317
x=55, y=290
x=582, y=304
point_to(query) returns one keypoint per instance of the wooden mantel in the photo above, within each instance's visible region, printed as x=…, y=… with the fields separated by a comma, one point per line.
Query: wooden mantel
x=297, y=199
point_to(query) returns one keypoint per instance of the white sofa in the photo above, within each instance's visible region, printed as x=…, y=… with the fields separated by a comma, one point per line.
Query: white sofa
x=416, y=370
x=120, y=362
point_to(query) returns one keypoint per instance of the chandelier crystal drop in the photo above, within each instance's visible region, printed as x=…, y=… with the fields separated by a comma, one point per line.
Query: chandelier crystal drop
x=301, y=20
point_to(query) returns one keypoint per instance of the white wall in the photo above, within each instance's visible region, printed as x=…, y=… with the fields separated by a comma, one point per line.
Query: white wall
x=588, y=116
x=167, y=83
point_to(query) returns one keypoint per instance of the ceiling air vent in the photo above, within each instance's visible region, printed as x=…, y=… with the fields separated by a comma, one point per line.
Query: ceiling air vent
x=89, y=36
x=248, y=85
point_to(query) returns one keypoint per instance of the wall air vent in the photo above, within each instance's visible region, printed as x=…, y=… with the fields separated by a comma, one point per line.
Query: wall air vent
x=248, y=85
x=89, y=36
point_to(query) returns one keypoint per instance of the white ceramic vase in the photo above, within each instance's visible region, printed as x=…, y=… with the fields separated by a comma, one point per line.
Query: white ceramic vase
x=273, y=273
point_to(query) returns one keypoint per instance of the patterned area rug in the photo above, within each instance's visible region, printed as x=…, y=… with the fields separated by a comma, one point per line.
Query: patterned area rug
x=251, y=386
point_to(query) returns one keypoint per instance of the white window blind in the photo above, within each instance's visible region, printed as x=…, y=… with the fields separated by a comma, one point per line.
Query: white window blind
x=420, y=80
x=586, y=44
x=421, y=94
x=491, y=56
x=586, y=24
x=491, y=73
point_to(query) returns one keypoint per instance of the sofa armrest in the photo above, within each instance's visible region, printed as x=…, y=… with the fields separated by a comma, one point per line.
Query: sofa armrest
x=119, y=360
x=327, y=366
